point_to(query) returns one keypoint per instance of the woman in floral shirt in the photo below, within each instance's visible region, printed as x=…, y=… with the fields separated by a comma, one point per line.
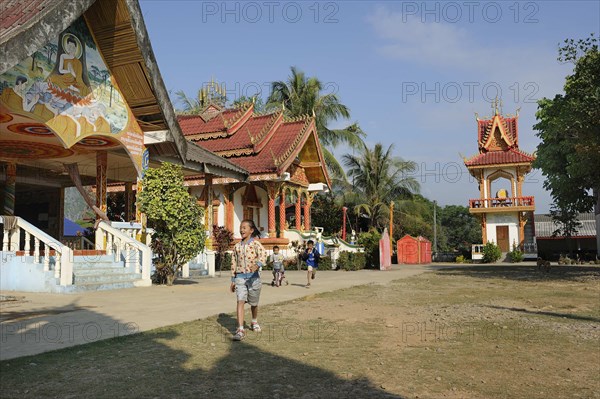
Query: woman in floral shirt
x=248, y=257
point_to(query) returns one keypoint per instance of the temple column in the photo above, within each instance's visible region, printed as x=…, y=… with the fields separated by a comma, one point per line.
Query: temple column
x=483, y=229
x=307, y=206
x=272, y=193
x=229, y=207
x=208, y=207
x=281, y=212
x=129, y=201
x=522, y=221
x=101, y=168
x=9, y=189
x=298, y=212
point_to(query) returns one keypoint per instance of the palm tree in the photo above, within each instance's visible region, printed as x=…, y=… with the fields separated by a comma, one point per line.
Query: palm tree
x=302, y=96
x=379, y=178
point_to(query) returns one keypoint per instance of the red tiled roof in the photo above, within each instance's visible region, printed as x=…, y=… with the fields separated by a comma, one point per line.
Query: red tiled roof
x=281, y=143
x=16, y=13
x=500, y=157
x=194, y=124
x=258, y=143
x=252, y=127
x=509, y=125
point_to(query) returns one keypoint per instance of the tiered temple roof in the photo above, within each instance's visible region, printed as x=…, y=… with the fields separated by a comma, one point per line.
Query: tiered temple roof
x=498, y=142
x=264, y=145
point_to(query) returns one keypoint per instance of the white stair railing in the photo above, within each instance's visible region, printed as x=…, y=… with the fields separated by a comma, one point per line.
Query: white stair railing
x=63, y=258
x=138, y=256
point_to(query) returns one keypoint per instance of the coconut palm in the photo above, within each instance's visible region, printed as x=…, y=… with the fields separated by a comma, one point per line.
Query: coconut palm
x=300, y=96
x=379, y=178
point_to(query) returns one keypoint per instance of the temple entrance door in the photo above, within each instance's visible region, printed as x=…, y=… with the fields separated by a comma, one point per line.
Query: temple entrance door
x=502, y=238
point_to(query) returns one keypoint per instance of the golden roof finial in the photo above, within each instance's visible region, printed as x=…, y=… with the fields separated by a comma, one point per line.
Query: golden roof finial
x=252, y=140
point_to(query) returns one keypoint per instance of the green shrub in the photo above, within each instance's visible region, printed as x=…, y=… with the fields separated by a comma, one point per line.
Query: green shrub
x=491, y=252
x=351, y=260
x=370, y=242
x=516, y=256
x=460, y=259
x=325, y=263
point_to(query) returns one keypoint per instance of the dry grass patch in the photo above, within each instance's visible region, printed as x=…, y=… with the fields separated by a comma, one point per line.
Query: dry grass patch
x=488, y=332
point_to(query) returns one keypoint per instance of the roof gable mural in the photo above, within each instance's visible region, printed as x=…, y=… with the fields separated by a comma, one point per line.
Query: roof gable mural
x=67, y=86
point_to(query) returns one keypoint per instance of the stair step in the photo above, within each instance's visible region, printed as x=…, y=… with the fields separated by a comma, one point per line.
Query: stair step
x=105, y=278
x=102, y=286
x=93, y=258
x=98, y=265
x=90, y=271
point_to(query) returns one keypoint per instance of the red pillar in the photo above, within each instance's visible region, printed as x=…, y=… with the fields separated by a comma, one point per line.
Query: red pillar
x=307, y=214
x=271, y=193
x=281, y=213
x=298, y=213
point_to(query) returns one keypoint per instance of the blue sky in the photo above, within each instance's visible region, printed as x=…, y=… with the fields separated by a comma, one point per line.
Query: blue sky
x=412, y=73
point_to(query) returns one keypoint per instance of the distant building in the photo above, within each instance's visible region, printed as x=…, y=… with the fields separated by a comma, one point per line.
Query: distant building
x=551, y=246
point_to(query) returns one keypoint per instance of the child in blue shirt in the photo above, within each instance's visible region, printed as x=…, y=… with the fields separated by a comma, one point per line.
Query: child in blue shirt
x=311, y=256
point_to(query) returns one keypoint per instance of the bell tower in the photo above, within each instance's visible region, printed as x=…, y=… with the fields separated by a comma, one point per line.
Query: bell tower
x=505, y=213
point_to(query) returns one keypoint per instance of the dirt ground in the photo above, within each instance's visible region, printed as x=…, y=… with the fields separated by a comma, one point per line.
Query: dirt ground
x=469, y=332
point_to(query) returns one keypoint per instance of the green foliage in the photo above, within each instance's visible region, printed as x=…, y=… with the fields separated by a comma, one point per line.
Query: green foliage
x=516, y=255
x=302, y=95
x=351, y=260
x=326, y=213
x=414, y=217
x=460, y=228
x=491, y=252
x=569, y=129
x=325, y=263
x=176, y=218
x=379, y=178
x=460, y=259
x=370, y=242
x=259, y=103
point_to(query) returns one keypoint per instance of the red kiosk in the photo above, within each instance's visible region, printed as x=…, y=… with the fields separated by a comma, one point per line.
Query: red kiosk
x=413, y=250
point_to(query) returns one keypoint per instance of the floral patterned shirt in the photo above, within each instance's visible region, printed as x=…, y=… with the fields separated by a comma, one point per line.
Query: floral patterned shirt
x=247, y=257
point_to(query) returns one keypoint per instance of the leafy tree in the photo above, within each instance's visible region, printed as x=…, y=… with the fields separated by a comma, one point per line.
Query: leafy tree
x=379, y=177
x=460, y=228
x=176, y=218
x=300, y=96
x=414, y=216
x=326, y=213
x=569, y=127
x=259, y=103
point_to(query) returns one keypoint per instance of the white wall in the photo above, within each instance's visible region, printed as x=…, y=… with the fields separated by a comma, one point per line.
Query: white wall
x=504, y=219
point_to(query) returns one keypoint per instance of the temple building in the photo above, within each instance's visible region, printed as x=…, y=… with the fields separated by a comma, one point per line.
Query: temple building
x=506, y=214
x=82, y=103
x=284, y=162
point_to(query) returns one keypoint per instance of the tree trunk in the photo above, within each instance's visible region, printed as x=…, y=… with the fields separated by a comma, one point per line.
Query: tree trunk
x=170, y=279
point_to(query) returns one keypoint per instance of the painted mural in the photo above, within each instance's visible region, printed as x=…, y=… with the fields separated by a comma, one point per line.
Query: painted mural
x=67, y=86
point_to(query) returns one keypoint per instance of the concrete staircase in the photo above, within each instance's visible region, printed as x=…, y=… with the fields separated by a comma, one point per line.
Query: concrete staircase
x=100, y=272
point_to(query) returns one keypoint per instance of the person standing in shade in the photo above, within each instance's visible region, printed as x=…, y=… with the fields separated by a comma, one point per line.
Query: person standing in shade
x=248, y=257
x=311, y=256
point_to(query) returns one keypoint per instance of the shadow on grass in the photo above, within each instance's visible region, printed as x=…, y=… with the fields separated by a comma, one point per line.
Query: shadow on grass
x=523, y=273
x=553, y=314
x=191, y=360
